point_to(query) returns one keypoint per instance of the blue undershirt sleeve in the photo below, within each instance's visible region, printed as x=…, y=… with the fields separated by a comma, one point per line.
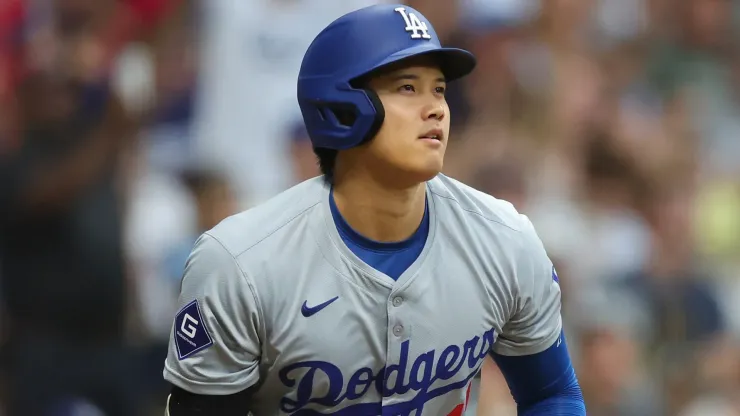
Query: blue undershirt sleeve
x=543, y=383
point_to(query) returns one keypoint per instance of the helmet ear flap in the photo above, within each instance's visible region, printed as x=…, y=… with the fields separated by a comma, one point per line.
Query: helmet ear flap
x=345, y=115
x=378, y=118
x=338, y=114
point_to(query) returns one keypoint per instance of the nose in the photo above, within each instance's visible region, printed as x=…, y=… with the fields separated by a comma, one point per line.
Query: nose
x=434, y=111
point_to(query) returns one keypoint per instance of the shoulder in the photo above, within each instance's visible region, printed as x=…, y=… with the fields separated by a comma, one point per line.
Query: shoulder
x=279, y=215
x=229, y=260
x=490, y=223
x=472, y=204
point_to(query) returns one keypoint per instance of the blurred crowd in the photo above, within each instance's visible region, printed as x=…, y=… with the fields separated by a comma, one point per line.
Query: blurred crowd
x=128, y=127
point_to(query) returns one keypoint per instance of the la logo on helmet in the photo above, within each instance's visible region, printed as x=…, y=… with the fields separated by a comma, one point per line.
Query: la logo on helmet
x=414, y=25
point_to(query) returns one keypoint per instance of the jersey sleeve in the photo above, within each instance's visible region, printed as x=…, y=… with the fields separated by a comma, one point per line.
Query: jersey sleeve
x=215, y=345
x=535, y=323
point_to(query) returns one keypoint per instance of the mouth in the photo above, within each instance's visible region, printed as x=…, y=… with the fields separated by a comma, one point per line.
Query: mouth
x=434, y=134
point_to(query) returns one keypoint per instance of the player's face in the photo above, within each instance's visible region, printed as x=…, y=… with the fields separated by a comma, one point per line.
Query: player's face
x=413, y=137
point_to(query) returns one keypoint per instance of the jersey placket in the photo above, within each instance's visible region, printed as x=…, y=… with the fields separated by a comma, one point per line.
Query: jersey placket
x=398, y=336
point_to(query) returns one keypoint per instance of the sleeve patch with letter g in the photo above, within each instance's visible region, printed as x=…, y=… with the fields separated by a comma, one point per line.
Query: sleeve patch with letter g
x=190, y=331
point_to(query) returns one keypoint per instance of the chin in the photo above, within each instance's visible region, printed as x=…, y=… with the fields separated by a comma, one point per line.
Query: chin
x=405, y=171
x=424, y=173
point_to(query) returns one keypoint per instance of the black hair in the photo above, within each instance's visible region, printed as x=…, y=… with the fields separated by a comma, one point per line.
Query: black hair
x=327, y=159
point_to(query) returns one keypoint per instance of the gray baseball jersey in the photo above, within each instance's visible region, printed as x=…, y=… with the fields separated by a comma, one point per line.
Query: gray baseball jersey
x=274, y=300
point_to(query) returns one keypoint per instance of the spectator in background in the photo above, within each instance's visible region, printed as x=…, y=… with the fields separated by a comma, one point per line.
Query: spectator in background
x=610, y=326
x=673, y=285
x=214, y=200
x=717, y=381
x=11, y=13
x=504, y=180
x=250, y=55
x=63, y=275
x=672, y=281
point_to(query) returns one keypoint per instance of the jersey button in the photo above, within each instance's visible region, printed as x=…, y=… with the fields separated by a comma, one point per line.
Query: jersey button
x=397, y=301
x=398, y=330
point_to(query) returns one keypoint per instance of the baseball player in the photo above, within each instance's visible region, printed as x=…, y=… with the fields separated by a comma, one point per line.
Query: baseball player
x=380, y=287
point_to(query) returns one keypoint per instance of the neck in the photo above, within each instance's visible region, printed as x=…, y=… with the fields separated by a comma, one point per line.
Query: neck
x=378, y=212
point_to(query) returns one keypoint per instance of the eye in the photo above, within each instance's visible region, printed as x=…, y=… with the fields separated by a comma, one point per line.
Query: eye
x=407, y=88
x=440, y=90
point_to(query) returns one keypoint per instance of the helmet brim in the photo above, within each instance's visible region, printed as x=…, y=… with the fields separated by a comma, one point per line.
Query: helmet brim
x=454, y=63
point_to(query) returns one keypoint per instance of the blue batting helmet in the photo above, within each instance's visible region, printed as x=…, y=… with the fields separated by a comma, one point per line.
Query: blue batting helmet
x=354, y=45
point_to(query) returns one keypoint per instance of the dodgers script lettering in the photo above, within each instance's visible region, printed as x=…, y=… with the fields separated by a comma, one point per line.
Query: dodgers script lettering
x=455, y=364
